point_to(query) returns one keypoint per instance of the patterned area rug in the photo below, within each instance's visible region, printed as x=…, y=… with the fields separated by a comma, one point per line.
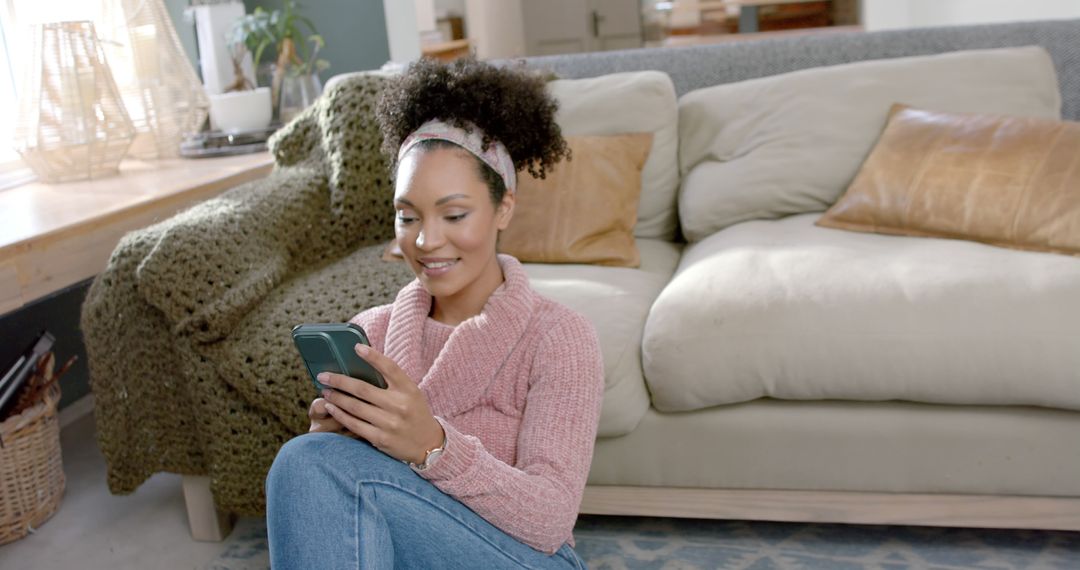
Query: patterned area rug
x=631, y=543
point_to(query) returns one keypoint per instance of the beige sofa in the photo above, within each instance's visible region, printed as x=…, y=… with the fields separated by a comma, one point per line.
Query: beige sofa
x=767, y=368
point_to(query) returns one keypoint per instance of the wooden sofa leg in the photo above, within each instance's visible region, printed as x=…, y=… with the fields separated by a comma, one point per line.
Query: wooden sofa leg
x=208, y=524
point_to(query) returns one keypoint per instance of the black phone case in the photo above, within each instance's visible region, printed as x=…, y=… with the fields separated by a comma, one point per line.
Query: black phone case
x=328, y=347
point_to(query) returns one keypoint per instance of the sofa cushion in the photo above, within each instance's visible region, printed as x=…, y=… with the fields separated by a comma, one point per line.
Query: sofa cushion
x=791, y=310
x=1007, y=181
x=637, y=102
x=585, y=209
x=791, y=143
x=617, y=301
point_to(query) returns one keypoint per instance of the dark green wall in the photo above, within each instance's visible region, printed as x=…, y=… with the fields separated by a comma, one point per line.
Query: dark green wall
x=184, y=29
x=354, y=30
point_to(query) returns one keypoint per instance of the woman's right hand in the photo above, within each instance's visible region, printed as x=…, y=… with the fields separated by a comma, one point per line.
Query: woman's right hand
x=321, y=420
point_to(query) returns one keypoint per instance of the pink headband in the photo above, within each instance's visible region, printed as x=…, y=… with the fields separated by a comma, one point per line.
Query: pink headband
x=496, y=156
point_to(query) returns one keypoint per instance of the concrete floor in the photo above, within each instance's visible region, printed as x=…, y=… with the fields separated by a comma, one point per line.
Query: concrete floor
x=96, y=530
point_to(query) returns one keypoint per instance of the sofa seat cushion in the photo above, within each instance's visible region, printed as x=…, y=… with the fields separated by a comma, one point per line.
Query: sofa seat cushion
x=790, y=310
x=870, y=447
x=617, y=301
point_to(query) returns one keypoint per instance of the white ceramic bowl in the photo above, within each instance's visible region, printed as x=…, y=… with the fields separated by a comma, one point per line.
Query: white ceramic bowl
x=241, y=110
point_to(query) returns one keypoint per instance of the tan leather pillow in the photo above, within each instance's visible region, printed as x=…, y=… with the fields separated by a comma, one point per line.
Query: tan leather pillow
x=1007, y=181
x=584, y=211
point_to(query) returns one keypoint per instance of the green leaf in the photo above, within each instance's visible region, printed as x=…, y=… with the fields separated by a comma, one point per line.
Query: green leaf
x=263, y=29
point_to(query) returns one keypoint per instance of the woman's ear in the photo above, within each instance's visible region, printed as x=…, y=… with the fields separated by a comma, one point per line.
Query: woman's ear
x=505, y=211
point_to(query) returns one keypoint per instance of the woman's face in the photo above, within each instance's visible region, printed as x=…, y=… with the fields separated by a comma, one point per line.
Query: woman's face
x=446, y=224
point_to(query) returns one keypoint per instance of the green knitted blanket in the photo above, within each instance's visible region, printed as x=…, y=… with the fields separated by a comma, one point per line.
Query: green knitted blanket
x=188, y=328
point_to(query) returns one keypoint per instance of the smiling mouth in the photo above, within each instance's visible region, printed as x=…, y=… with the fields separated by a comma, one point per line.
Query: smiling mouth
x=438, y=264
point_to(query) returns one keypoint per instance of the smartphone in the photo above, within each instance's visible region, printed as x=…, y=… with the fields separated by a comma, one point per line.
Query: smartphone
x=328, y=347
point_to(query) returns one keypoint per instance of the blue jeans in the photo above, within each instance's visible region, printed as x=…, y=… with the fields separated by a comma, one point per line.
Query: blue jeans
x=337, y=502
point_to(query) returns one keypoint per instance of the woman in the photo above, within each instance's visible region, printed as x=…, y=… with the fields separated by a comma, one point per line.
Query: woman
x=476, y=454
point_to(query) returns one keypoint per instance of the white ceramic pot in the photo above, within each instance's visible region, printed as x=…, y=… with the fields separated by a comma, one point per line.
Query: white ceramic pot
x=241, y=110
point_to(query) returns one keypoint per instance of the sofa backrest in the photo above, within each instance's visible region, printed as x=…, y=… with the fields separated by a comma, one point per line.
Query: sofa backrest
x=787, y=144
x=695, y=67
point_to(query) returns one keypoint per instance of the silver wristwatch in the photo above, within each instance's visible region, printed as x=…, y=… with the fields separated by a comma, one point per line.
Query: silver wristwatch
x=430, y=458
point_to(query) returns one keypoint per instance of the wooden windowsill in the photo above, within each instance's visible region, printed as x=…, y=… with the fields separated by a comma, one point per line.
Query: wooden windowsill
x=55, y=235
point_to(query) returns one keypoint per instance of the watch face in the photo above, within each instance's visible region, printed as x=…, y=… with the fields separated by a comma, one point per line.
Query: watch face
x=429, y=462
x=432, y=458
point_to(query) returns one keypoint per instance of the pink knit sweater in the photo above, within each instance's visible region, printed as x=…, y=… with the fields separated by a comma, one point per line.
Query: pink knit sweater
x=518, y=390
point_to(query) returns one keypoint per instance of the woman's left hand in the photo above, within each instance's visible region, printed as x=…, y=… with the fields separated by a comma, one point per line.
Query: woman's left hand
x=396, y=420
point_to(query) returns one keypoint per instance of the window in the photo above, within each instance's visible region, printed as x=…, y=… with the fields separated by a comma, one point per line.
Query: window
x=12, y=170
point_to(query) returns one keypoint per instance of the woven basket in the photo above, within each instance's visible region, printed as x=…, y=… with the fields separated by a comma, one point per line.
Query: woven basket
x=31, y=471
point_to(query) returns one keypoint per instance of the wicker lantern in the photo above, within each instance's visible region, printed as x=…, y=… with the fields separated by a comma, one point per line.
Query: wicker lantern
x=159, y=86
x=72, y=124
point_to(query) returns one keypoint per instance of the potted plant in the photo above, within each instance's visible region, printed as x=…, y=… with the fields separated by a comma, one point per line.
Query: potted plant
x=244, y=106
x=294, y=82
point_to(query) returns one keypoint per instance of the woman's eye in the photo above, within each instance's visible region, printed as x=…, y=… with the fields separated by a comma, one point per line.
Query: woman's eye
x=406, y=219
x=456, y=217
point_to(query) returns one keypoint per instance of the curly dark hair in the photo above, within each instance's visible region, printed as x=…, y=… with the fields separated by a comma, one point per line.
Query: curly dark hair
x=509, y=104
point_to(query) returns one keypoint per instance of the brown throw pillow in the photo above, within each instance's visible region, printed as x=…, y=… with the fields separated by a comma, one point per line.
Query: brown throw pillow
x=1007, y=181
x=584, y=211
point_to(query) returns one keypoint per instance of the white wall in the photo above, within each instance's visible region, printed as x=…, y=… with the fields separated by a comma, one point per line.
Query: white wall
x=495, y=28
x=425, y=14
x=892, y=14
x=885, y=14
x=401, y=31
